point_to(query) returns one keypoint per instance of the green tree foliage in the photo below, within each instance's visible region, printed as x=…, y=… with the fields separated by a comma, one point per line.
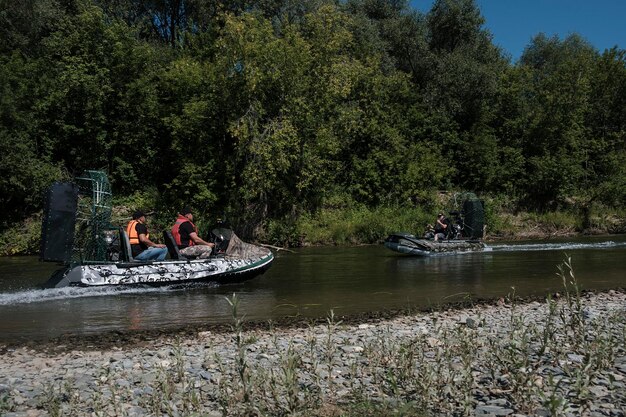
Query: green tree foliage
x=25, y=23
x=99, y=96
x=604, y=157
x=555, y=139
x=275, y=109
x=26, y=163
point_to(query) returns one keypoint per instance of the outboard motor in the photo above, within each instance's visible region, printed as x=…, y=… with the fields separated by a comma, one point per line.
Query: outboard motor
x=112, y=239
x=456, y=227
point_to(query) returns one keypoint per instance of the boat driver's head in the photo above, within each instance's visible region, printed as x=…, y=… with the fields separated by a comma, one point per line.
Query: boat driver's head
x=187, y=213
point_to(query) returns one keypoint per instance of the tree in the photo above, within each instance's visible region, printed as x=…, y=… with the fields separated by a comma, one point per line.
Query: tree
x=605, y=154
x=97, y=103
x=26, y=164
x=454, y=23
x=558, y=77
x=24, y=24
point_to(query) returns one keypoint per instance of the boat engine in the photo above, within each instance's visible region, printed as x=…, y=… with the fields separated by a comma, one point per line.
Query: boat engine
x=221, y=234
x=112, y=239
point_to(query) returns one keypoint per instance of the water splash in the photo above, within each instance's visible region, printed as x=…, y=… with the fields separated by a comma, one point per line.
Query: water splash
x=54, y=294
x=526, y=247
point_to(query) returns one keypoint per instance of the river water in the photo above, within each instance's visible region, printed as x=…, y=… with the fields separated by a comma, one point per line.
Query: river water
x=309, y=282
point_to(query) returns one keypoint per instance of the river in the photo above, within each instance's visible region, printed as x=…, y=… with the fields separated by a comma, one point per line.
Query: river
x=309, y=282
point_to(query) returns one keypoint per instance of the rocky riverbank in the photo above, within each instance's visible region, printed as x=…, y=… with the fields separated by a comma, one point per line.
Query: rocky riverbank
x=563, y=356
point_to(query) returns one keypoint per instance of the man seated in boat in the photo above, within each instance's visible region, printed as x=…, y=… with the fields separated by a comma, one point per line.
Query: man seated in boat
x=142, y=247
x=185, y=235
x=442, y=227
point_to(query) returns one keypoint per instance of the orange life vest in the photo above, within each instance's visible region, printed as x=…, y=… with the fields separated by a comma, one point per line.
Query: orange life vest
x=131, y=231
x=176, y=230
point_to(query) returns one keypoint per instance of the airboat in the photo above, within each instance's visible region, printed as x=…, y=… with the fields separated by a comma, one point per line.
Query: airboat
x=465, y=233
x=77, y=233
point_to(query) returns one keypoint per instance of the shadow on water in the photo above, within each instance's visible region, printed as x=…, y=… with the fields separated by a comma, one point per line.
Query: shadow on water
x=307, y=283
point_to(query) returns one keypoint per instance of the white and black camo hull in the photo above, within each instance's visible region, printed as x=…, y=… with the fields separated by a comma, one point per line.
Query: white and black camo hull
x=221, y=269
x=411, y=245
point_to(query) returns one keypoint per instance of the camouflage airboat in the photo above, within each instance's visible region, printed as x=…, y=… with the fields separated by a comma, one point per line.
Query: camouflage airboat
x=465, y=233
x=77, y=233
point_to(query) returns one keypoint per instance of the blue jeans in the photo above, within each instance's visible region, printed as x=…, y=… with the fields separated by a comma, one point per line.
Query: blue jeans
x=152, y=254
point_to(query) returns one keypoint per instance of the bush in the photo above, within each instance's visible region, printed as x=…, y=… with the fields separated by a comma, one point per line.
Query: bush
x=22, y=238
x=556, y=220
x=360, y=225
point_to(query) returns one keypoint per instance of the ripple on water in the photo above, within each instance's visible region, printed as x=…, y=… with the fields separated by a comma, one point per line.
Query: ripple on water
x=555, y=246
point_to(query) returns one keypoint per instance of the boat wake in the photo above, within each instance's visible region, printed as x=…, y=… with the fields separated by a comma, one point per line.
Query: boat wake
x=55, y=294
x=527, y=247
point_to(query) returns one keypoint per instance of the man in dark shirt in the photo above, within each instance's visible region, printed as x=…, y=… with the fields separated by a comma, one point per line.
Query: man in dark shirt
x=142, y=247
x=442, y=227
x=185, y=235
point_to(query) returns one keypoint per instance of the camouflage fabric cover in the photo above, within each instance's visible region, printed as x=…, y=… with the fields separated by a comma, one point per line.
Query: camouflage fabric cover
x=238, y=249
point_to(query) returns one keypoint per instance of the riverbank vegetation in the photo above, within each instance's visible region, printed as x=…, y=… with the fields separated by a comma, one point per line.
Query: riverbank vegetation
x=357, y=224
x=307, y=122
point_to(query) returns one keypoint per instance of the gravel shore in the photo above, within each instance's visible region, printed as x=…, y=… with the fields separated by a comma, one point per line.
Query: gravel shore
x=564, y=356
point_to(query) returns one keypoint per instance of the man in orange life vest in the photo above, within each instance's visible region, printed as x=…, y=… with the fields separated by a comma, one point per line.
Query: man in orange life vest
x=185, y=234
x=142, y=247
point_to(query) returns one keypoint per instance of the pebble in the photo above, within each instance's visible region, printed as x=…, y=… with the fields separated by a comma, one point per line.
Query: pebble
x=492, y=410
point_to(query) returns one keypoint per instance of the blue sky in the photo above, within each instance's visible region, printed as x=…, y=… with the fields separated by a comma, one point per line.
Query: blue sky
x=514, y=22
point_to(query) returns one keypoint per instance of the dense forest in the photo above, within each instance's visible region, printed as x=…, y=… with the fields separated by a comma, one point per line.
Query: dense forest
x=270, y=110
